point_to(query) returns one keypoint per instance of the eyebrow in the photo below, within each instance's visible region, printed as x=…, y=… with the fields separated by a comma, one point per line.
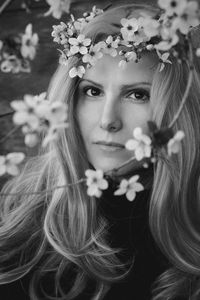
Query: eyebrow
x=124, y=86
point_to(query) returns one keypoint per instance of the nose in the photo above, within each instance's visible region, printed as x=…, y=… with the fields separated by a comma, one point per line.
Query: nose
x=111, y=116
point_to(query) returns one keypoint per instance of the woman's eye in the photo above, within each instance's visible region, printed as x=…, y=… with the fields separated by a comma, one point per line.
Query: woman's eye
x=92, y=91
x=139, y=95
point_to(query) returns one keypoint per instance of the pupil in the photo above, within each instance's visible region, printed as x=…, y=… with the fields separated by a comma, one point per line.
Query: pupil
x=94, y=92
x=138, y=95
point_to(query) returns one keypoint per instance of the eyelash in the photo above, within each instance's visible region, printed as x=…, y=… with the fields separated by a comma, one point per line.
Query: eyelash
x=145, y=93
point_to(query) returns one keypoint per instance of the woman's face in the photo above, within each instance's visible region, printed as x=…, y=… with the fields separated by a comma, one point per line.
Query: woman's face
x=112, y=101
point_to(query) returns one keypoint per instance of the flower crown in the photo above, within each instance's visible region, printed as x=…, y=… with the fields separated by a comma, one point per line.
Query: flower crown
x=168, y=33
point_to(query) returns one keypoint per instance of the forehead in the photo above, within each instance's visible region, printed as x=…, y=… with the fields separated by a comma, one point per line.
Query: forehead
x=106, y=70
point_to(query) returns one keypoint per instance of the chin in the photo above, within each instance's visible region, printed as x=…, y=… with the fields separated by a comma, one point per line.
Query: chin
x=107, y=165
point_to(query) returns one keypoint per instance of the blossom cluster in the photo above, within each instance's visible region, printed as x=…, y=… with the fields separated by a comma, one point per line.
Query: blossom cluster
x=167, y=35
x=37, y=115
x=16, y=52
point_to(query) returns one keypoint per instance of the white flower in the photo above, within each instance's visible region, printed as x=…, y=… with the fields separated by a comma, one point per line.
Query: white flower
x=163, y=58
x=130, y=26
x=79, y=44
x=129, y=187
x=133, y=30
x=141, y=144
x=9, y=162
x=173, y=145
x=173, y=6
x=57, y=7
x=93, y=55
x=29, y=43
x=79, y=71
x=95, y=182
x=26, y=112
x=111, y=46
x=131, y=55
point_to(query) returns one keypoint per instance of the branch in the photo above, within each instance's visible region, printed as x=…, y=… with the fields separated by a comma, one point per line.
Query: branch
x=7, y=114
x=3, y=6
x=9, y=134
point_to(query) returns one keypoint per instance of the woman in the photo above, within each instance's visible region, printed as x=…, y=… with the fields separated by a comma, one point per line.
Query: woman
x=61, y=242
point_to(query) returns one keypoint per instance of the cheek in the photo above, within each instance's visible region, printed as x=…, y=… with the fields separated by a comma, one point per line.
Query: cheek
x=87, y=116
x=138, y=117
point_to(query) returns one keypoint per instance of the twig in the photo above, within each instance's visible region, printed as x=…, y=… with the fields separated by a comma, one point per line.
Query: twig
x=3, y=6
x=9, y=134
x=115, y=170
x=7, y=114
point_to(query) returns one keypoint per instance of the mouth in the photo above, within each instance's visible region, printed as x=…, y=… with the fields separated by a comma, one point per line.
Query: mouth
x=111, y=147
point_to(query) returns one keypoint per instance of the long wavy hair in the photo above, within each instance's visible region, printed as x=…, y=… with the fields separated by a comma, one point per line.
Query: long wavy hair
x=60, y=233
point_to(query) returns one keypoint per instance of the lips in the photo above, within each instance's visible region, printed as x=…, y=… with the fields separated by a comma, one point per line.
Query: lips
x=110, y=144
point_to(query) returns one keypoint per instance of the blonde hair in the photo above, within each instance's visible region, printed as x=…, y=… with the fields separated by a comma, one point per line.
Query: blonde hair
x=57, y=232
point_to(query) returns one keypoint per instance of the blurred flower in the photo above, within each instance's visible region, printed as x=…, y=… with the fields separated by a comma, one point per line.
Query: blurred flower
x=141, y=144
x=31, y=138
x=173, y=145
x=150, y=26
x=173, y=6
x=26, y=112
x=57, y=8
x=198, y=52
x=95, y=182
x=52, y=132
x=9, y=162
x=189, y=18
x=29, y=43
x=129, y=187
x=36, y=114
